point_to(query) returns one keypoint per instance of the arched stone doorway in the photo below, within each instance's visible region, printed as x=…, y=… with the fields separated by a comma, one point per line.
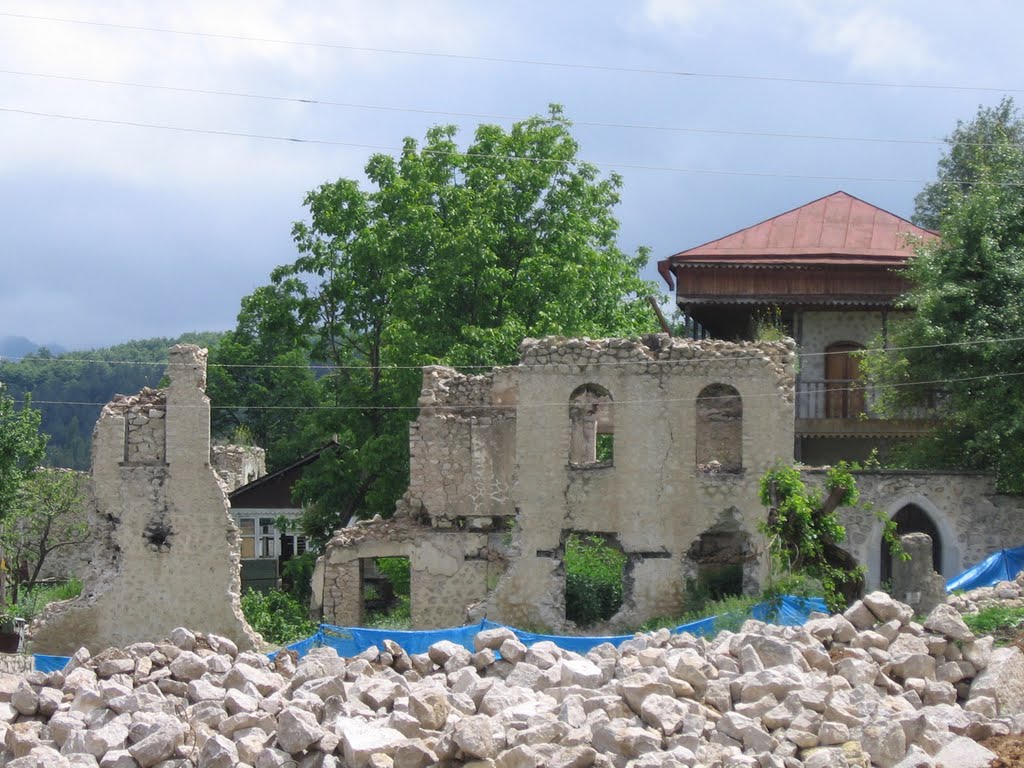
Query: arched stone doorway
x=911, y=519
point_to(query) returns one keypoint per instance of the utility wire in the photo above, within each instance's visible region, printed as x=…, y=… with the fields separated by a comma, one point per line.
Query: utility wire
x=601, y=364
x=516, y=406
x=485, y=155
x=691, y=74
x=479, y=115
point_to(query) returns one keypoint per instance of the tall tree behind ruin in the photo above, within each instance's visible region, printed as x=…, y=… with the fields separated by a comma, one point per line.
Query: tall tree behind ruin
x=450, y=256
x=964, y=338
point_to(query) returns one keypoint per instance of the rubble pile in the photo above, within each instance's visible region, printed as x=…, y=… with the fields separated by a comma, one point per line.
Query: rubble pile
x=870, y=687
x=1008, y=594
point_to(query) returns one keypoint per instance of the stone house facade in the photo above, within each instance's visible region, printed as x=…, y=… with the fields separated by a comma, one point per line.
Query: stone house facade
x=828, y=274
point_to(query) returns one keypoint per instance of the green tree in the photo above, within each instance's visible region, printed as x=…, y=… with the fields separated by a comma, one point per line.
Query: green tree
x=49, y=516
x=22, y=448
x=449, y=256
x=963, y=336
x=978, y=150
x=804, y=533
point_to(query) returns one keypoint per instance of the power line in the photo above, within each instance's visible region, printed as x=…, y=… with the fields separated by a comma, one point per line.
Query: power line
x=477, y=115
x=517, y=406
x=691, y=74
x=600, y=364
x=484, y=155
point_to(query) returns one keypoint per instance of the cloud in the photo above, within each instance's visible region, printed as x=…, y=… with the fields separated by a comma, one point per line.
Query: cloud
x=134, y=155
x=872, y=40
x=869, y=37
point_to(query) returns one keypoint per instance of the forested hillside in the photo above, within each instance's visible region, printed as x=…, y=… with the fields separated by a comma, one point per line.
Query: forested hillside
x=69, y=389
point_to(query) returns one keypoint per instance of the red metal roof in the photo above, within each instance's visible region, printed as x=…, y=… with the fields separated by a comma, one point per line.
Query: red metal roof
x=836, y=229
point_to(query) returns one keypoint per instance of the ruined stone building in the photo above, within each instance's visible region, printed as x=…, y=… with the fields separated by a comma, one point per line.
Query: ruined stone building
x=656, y=446
x=166, y=551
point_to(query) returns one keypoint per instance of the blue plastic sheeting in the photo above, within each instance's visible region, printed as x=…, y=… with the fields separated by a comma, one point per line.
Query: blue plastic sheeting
x=50, y=663
x=349, y=641
x=1003, y=565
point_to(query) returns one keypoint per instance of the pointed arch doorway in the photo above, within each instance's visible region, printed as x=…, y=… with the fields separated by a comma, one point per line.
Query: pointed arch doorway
x=912, y=519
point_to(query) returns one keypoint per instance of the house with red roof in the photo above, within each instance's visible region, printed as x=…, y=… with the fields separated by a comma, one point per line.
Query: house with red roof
x=828, y=274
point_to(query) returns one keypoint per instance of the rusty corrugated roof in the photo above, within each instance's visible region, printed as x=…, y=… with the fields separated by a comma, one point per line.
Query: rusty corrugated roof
x=836, y=229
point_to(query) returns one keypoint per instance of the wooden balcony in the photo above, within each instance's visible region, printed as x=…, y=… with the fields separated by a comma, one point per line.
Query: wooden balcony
x=844, y=408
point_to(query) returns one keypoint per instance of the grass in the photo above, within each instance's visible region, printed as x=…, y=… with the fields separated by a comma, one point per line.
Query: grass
x=1004, y=623
x=731, y=612
x=31, y=603
x=397, y=616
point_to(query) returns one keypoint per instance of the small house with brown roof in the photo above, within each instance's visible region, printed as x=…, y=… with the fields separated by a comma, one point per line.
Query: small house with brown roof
x=828, y=274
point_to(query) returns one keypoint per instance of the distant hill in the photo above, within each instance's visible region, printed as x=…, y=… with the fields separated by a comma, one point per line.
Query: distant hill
x=70, y=388
x=19, y=346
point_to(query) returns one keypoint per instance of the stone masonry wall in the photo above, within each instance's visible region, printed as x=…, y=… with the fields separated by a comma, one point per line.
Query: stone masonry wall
x=972, y=519
x=167, y=551
x=238, y=465
x=490, y=466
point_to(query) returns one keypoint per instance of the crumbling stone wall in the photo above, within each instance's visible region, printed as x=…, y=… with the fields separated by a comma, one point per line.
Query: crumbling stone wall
x=490, y=465
x=167, y=550
x=238, y=465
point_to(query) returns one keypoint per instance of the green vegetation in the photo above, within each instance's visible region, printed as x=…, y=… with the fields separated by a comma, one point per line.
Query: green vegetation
x=804, y=533
x=21, y=448
x=965, y=291
x=32, y=601
x=593, y=579
x=277, y=616
x=397, y=612
x=73, y=386
x=448, y=255
x=1004, y=623
x=48, y=517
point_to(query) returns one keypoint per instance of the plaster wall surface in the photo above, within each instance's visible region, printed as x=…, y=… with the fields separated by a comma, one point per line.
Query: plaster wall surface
x=166, y=549
x=490, y=463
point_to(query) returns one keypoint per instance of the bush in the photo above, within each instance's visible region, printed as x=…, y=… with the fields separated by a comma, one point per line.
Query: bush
x=397, y=616
x=593, y=579
x=396, y=569
x=297, y=574
x=276, y=615
x=31, y=602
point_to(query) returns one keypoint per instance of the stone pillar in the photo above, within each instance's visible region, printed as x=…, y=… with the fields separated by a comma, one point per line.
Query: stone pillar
x=915, y=581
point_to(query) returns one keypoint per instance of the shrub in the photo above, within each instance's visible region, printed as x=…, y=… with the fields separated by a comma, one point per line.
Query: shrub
x=31, y=602
x=276, y=615
x=593, y=579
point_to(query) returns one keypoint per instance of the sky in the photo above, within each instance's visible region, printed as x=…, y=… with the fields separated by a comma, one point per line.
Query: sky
x=130, y=207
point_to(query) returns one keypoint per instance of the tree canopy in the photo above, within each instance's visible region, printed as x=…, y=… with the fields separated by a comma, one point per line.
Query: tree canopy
x=448, y=255
x=964, y=337
x=21, y=448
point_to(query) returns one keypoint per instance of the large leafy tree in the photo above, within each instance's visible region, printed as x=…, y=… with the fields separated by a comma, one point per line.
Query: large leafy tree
x=448, y=255
x=22, y=448
x=963, y=338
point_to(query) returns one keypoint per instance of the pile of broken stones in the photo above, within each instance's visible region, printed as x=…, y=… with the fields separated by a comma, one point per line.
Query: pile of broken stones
x=870, y=687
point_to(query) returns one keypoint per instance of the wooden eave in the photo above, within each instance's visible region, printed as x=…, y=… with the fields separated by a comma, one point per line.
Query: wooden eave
x=716, y=284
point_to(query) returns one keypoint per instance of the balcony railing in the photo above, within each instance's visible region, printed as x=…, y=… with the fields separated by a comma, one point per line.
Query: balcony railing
x=852, y=399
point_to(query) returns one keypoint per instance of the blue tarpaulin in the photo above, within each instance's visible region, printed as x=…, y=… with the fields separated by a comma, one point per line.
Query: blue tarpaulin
x=1003, y=565
x=349, y=641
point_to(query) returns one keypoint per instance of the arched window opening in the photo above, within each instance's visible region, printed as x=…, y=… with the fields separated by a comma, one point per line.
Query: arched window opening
x=912, y=519
x=844, y=388
x=719, y=429
x=592, y=436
